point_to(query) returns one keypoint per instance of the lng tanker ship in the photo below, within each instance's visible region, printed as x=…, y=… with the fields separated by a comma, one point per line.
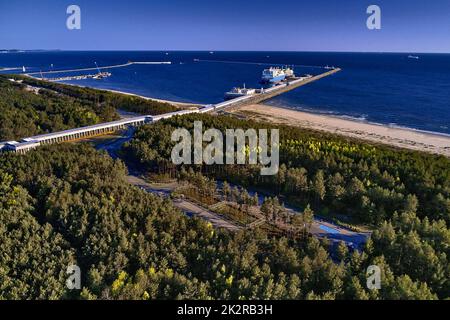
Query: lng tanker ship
x=276, y=74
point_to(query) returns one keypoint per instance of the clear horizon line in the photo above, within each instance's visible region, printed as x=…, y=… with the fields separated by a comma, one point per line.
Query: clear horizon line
x=214, y=50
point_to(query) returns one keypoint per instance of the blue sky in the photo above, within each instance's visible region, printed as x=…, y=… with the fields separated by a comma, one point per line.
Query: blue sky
x=291, y=25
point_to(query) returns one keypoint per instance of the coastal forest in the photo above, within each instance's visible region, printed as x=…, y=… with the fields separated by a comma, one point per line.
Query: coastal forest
x=337, y=176
x=397, y=193
x=31, y=107
x=70, y=204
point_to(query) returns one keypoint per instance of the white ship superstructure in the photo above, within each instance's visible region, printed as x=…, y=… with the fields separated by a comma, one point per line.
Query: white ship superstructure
x=276, y=74
x=239, y=92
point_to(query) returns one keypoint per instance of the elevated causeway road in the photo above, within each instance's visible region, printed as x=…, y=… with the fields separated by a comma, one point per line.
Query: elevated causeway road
x=29, y=143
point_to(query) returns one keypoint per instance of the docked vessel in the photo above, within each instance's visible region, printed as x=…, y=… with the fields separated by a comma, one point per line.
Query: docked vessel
x=239, y=92
x=101, y=75
x=276, y=74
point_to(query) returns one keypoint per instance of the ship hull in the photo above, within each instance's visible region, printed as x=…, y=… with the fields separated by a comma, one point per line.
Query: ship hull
x=230, y=96
x=274, y=79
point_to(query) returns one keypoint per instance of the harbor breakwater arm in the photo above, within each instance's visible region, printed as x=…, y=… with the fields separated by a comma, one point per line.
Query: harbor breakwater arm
x=100, y=68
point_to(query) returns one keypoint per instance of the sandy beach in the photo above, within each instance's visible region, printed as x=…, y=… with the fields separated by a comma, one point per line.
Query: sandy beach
x=398, y=137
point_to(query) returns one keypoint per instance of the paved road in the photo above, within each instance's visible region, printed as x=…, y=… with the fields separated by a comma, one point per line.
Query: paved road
x=113, y=146
x=215, y=219
x=320, y=228
x=187, y=207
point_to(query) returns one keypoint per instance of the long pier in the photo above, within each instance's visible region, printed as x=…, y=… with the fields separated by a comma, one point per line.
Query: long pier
x=268, y=93
x=30, y=143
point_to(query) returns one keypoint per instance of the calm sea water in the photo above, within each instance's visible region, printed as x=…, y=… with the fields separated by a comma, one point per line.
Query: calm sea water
x=382, y=88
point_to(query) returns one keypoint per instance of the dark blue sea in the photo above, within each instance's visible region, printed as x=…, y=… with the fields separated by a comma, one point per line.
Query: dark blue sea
x=385, y=88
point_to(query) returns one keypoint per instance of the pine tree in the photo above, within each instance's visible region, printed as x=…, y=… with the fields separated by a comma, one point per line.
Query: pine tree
x=342, y=251
x=411, y=203
x=319, y=186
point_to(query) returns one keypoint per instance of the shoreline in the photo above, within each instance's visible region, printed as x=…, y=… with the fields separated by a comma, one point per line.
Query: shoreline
x=364, y=121
x=405, y=138
x=391, y=135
